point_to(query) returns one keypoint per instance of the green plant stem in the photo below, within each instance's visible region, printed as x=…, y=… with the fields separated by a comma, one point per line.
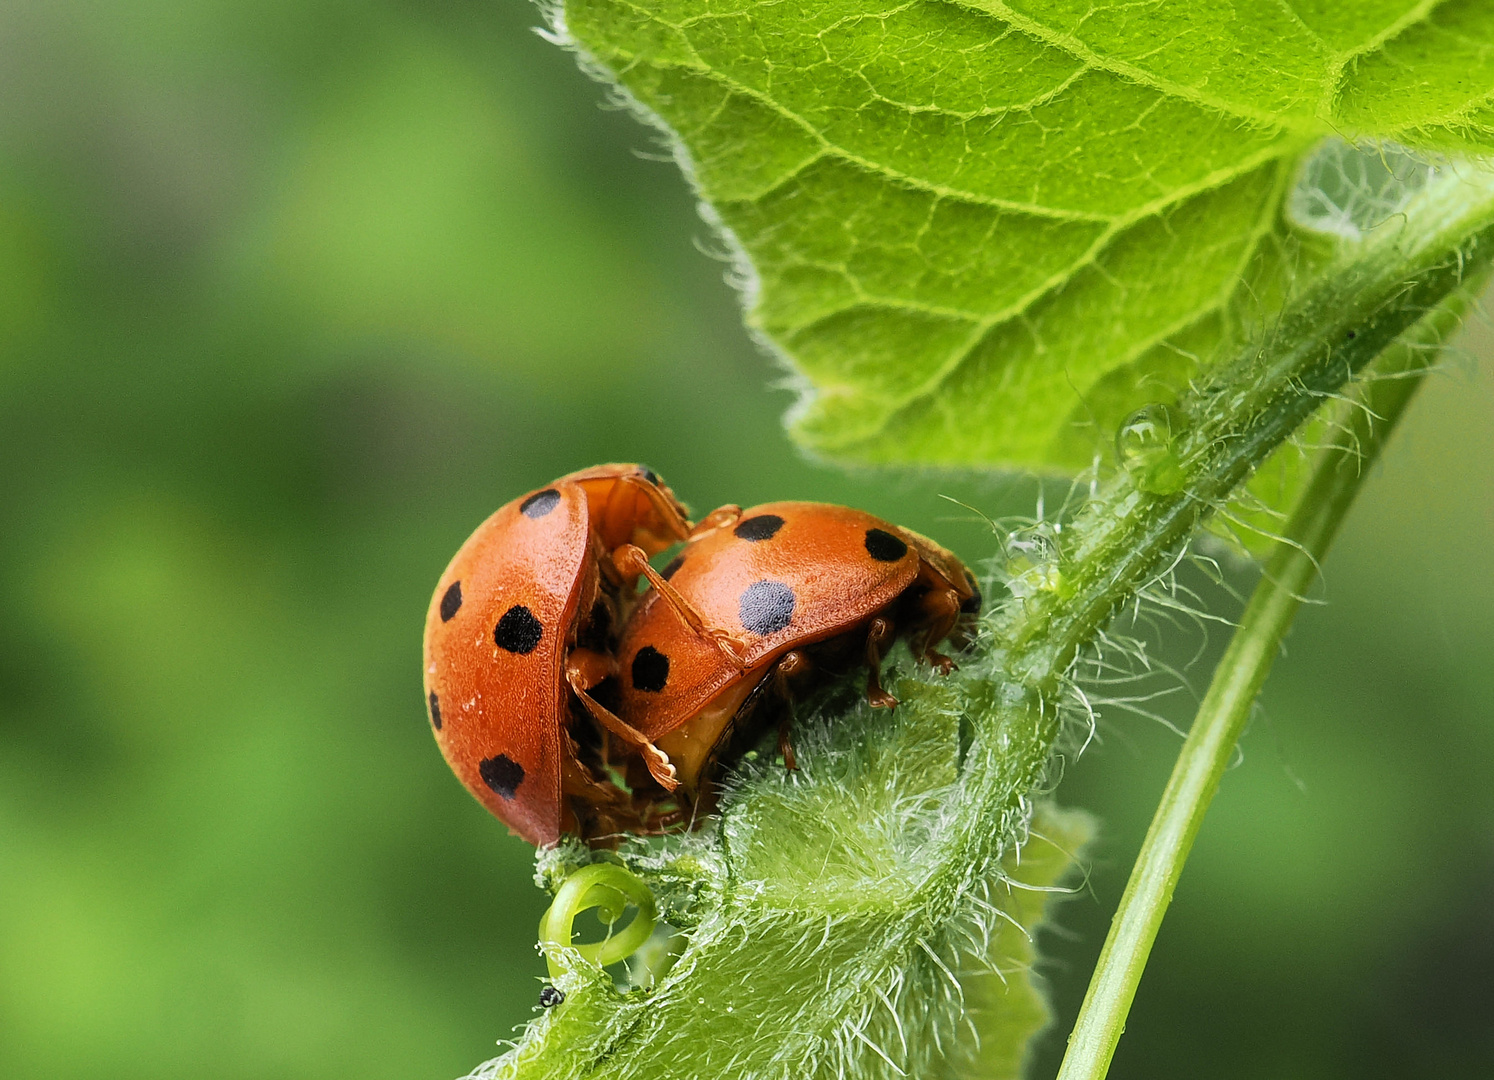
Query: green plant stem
x=1337, y=475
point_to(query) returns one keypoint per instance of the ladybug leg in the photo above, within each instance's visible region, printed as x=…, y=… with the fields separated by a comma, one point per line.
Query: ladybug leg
x=722, y=517
x=785, y=747
x=942, y=610
x=584, y=668
x=631, y=561
x=658, y=762
x=878, y=636
x=789, y=667
x=655, y=819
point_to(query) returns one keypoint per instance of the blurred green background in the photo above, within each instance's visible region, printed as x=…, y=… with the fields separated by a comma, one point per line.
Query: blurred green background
x=291, y=296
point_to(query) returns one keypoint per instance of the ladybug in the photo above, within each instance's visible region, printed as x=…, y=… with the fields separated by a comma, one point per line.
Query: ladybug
x=797, y=585
x=519, y=634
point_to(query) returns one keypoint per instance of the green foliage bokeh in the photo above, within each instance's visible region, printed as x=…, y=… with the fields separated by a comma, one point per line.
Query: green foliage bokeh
x=291, y=296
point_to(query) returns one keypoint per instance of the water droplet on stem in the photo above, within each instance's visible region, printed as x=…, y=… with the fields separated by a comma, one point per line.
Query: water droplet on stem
x=1146, y=447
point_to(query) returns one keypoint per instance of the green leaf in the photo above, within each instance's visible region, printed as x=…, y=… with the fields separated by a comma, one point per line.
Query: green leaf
x=982, y=233
x=1005, y=1005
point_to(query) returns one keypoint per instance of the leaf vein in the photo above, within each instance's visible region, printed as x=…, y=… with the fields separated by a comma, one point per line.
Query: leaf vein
x=1130, y=72
x=1019, y=307
x=888, y=171
x=1333, y=83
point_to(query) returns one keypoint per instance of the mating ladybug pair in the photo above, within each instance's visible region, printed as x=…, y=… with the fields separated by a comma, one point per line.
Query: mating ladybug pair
x=567, y=702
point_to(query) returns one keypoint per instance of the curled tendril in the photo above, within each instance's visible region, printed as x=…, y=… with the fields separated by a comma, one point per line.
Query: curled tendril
x=610, y=889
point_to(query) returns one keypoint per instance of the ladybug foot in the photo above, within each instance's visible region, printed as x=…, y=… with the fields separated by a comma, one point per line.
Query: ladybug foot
x=660, y=767
x=941, y=663
x=730, y=646
x=786, y=748
x=720, y=518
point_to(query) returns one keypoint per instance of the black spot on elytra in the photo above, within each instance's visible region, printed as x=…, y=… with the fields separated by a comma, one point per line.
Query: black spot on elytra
x=518, y=631
x=551, y=997
x=758, y=528
x=451, y=601
x=650, y=670
x=435, y=711
x=766, y=607
x=540, y=503
x=674, y=564
x=649, y=475
x=883, y=546
x=502, y=773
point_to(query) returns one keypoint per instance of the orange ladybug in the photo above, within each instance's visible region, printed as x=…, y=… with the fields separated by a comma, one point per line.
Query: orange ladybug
x=518, y=635
x=792, y=585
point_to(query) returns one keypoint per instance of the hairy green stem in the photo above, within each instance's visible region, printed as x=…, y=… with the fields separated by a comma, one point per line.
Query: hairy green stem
x=1338, y=472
